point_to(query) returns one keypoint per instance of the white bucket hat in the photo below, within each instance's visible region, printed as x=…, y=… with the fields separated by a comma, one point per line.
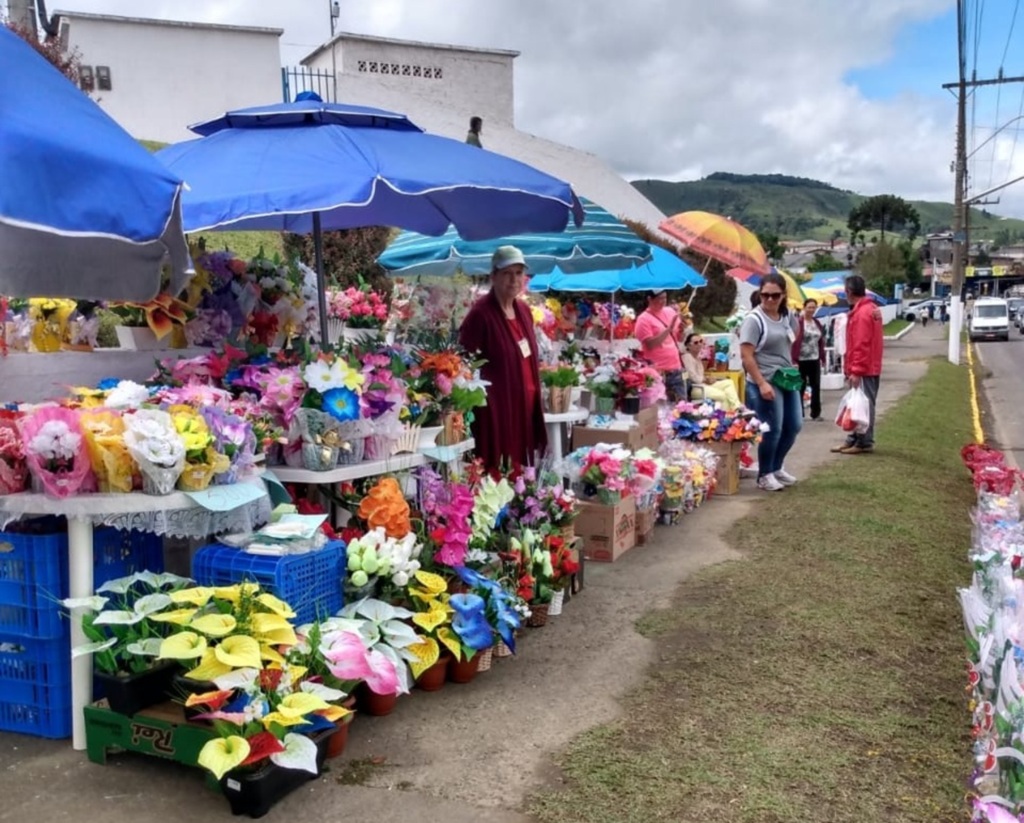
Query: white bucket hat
x=505, y=256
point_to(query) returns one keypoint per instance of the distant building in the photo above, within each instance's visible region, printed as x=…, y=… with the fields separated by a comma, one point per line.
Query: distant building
x=156, y=77
x=441, y=86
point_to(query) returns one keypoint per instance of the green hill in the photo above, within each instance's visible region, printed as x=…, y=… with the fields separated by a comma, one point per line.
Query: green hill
x=796, y=208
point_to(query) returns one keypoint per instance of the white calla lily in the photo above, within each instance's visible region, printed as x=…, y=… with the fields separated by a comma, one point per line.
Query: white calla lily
x=299, y=753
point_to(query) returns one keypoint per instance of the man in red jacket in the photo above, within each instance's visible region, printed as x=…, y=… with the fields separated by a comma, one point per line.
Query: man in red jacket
x=862, y=364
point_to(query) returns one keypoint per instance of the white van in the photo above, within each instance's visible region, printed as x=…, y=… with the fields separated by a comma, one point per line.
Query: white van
x=990, y=320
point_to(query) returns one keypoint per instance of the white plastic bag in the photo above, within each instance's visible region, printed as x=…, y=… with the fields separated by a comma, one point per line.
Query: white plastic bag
x=854, y=413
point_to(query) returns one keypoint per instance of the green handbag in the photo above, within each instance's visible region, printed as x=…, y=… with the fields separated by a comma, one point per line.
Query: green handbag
x=787, y=378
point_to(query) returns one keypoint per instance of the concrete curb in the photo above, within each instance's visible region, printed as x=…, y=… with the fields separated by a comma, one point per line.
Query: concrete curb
x=902, y=334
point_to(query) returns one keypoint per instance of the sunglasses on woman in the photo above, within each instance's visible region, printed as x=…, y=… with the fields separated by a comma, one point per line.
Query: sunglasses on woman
x=771, y=295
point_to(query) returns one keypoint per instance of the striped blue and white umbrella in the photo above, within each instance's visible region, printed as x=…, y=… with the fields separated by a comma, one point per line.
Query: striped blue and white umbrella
x=601, y=242
x=663, y=271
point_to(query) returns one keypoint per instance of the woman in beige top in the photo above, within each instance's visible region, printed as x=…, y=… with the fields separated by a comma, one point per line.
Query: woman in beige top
x=721, y=391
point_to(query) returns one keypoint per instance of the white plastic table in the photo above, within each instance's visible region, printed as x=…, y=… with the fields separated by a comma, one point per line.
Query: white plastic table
x=174, y=514
x=554, y=423
x=371, y=468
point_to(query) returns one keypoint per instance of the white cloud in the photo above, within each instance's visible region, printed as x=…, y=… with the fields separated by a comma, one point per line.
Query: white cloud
x=662, y=88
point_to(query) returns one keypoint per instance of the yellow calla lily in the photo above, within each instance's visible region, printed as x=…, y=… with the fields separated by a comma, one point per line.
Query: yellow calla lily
x=197, y=595
x=451, y=640
x=234, y=593
x=239, y=652
x=432, y=619
x=282, y=720
x=299, y=704
x=273, y=655
x=334, y=713
x=182, y=646
x=432, y=583
x=427, y=654
x=273, y=629
x=222, y=754
x=296, y=673
x=180, y=617
x=209, y=668
x=276, y=605
x=215, y=625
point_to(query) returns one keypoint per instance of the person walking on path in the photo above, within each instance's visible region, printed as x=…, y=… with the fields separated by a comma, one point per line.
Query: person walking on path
x=476, y=125
x=926, y=315
x=658, y=328
x=863, y=362
x=773, y=382
x=809, y=353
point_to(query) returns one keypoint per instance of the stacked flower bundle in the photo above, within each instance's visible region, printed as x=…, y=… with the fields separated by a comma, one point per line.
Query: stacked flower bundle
x=358, y=307
x=708, y=422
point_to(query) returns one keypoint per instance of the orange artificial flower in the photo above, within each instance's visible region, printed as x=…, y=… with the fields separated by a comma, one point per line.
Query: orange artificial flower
x=385, y=506
x=162, y=312
x=447, y=363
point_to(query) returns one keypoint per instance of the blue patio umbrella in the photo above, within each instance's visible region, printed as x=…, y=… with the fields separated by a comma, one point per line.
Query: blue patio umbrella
x=835, y=283
x=309, y=165
x=85, y=210
x=664, y=271
x=600, y=242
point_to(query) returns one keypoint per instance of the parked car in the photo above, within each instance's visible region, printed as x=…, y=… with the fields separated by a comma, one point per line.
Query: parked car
x=1015, y=306
x=990, y=320
x=912, y=311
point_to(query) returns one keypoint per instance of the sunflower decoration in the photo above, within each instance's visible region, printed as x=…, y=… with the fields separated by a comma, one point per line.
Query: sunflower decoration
x=386, y=506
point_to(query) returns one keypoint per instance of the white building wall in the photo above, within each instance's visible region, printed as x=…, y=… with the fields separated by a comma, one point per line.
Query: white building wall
x=165, y=75
x=469, y=82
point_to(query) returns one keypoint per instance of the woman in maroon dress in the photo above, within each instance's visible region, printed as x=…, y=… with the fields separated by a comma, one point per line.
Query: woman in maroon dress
x=509, y=430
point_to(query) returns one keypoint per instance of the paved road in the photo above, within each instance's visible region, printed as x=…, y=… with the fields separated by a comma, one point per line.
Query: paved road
x=1003, y=385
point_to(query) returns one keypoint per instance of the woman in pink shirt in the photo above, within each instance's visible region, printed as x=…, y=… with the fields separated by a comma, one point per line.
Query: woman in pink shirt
x=658, y=328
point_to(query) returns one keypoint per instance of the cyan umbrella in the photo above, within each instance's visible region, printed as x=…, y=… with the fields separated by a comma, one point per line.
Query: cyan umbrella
x=85, y=210
x=664, y=271
x=309, y=165
x=600, y=242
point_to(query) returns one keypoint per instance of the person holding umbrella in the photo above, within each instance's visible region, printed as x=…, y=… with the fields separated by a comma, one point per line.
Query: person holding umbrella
x=659, y=328
x=509, y=430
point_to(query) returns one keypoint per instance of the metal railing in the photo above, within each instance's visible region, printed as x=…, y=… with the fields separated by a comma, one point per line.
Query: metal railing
x=296, y=79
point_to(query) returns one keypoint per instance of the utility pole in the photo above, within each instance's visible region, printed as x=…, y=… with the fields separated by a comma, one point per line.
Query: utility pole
x=335, y=9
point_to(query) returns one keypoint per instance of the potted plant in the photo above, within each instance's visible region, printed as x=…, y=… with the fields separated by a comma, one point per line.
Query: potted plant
x=146, y=326
x=355, y=314
x=604, y=385
x=559, y=380
x=125, y=640
x=563, y=567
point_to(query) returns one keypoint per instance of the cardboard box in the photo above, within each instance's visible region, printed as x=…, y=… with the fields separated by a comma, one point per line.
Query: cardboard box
x=608, y=532
x=645, y=520
x=728, y=465
x=642, y=435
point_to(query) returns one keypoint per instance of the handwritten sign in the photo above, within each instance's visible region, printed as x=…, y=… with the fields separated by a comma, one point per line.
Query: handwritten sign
x=227, y=498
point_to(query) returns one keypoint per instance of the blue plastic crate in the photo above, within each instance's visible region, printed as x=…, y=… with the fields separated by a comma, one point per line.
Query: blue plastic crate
x=310, y=583
x=35, y=686
x=34, y=571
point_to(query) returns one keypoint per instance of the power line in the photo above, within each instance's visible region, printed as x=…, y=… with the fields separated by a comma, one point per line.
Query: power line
x=1009, y=34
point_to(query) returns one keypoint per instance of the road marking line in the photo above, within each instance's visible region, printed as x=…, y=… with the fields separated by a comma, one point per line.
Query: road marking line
x=979, y=433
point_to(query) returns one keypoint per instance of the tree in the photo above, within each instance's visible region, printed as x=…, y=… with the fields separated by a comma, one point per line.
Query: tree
x=884, y=265
x=66, y=62
x=771, y=245
x=350, y=255
x=824, y=262
x=885, y=212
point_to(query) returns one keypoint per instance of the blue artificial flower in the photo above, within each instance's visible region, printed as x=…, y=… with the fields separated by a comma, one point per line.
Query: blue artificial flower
x=583, y=310
x=471, y=578
x=237, y=705
x=501, y=518
x=233, y=376
x=475, y=632
x=259, y=360
x=341, y=404
x=314, y=723
x=108, y=383
x=467, y=606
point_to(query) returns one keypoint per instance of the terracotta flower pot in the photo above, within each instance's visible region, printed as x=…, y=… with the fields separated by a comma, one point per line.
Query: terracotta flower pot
x=376, y=705
x=336, y=742
x=538, y=615
x=463, y=671
x=434, y=678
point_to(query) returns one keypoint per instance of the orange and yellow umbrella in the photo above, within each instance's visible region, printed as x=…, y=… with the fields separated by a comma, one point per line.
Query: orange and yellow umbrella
x=718, y=237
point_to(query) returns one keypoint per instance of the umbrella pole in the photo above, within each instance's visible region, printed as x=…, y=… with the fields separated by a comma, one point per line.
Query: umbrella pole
x=321, y=277
x=704, y=271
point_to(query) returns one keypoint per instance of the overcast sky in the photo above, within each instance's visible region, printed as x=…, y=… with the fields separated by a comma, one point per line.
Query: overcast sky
x=845, y=91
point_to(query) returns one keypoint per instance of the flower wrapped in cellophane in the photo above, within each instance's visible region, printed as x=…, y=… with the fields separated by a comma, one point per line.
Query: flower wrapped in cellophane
x=13, y=469
x=111, y=462
x=157, y=448
x=56, y=452
x=202, y=461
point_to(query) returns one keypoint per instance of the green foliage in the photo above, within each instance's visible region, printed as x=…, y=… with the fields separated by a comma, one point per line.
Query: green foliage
x=560, y=376
x=825, y=262
x=350, y=256
x=885, y=211
x=770, y=243
x=884, y=265
x=771, y=179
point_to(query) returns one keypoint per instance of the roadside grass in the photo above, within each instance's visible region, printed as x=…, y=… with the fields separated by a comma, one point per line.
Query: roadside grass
x=821, y=678
x=245, y=244
x=895, y=326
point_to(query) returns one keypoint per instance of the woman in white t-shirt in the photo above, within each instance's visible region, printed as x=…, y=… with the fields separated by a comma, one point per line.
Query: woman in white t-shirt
x=721, y=391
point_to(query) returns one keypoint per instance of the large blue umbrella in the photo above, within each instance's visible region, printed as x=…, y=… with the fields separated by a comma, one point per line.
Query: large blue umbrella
x=309, y=165
x=600, y=242
x=664, y=271
x=85, y=210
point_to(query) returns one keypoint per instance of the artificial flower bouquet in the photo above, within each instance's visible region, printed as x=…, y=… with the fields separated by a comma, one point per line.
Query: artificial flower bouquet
x=390, y=646
x=154, y=443
x=447, y=509
x=541, y=498
x=56, y=452
x=501, y=606
x=453, y=622
x=202, y=461
x=49, y=318
x=377, y=561
x=13, y=468
x=160, y=315
x=233, y=437
x=112, y=463
x=358, y=307
x=559, y=380
x=604, y=471
x=563, y=562
x=707, y=421
x=330, y=411
x=646, y=478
